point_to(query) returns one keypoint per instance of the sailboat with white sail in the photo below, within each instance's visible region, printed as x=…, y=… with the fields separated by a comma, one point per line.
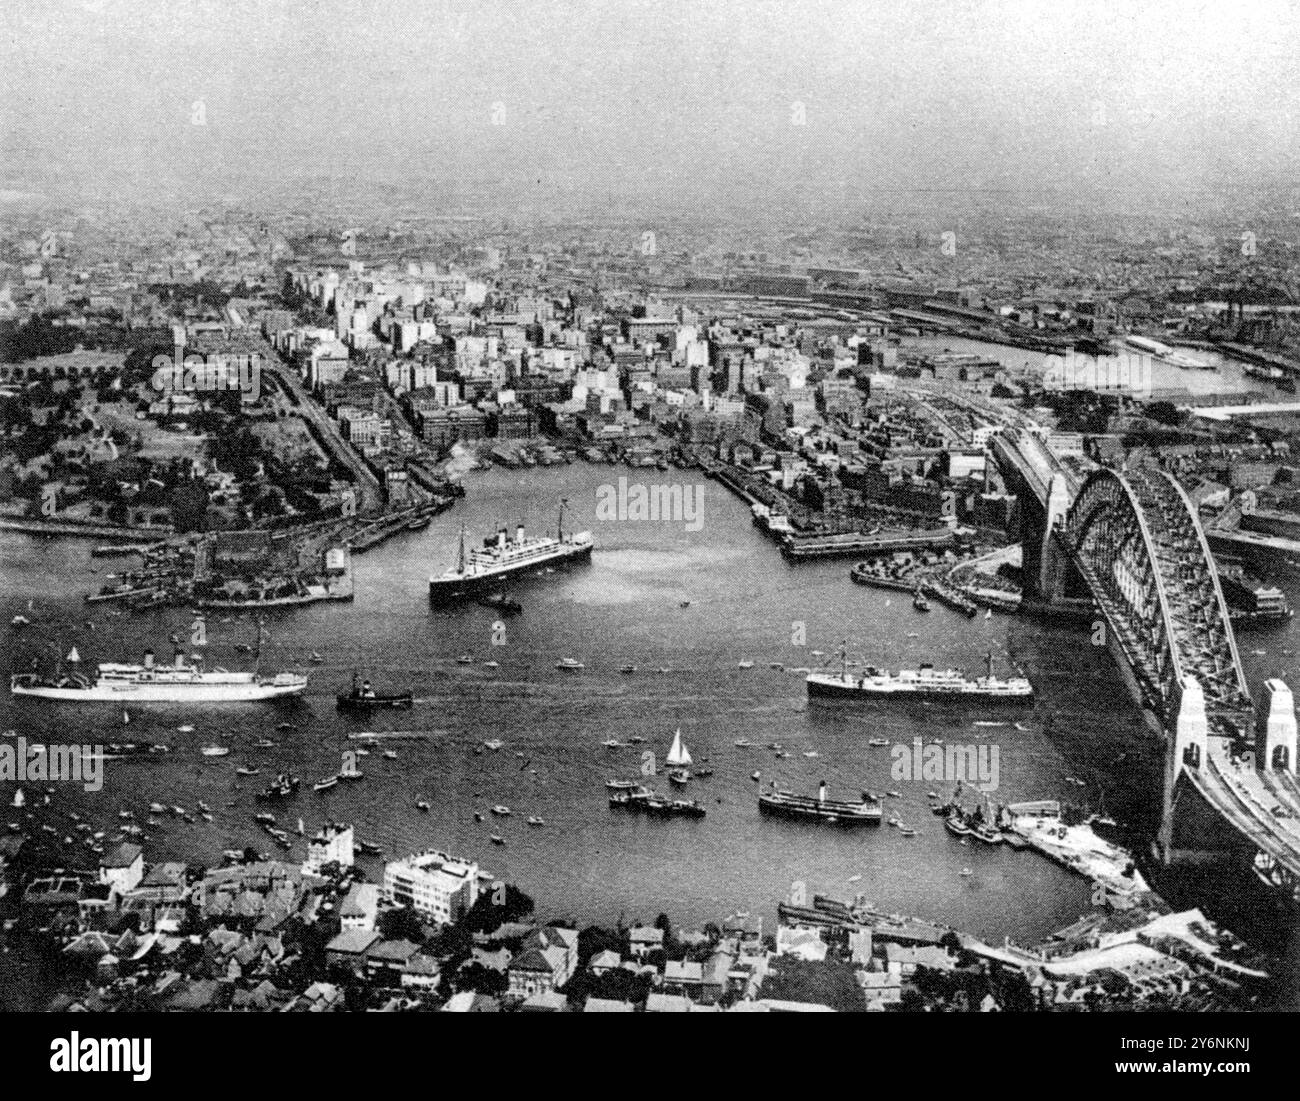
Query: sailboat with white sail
x=678, y=760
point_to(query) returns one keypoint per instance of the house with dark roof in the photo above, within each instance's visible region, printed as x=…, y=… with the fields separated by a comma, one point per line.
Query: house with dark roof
x=351, y=949
x=386, y=960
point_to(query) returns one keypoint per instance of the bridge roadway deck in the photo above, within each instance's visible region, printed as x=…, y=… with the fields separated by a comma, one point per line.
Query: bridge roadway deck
x=1248, y=799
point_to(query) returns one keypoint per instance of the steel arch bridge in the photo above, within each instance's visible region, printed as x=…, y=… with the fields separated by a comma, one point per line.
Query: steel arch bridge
x=1136, y=541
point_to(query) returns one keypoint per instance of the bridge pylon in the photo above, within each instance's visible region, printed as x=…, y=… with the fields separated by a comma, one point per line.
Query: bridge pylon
x=1275, y=740
x=1187, y=747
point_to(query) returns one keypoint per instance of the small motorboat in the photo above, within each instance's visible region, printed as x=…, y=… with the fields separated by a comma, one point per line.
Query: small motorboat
x=263, y=743
x=533, y=820
x=491, y=665
x=612, y=743
x=744, y=665
x=755, y=775
x=812, y=753
x=186, y=729
x=571, y=664
x=465, y=659
x=628, y=669
x=493, y=744
x=497, y=839
x=157, y=808
x=878, y=742
x=893, y=795
x=679, y=776
x=478, y=817
x=265, y=818
x=502, y=811
x=244, y=770
x=326, y=784
x=202, y=806
x=370, y=847
x=390, y=754
x=421, y=804
x=686, y=604
x=742, y=743
x=286, y=726
x=215, y=750
x=315, y=658
x=966, y=872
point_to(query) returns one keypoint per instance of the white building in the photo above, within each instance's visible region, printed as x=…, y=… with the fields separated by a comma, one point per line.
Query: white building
x=123, y=868
x=333, y=843
x=360, y=907
x=432, y=883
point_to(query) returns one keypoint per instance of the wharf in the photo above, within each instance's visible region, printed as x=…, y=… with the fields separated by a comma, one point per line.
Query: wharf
x=856, y=543
x=1080, y=850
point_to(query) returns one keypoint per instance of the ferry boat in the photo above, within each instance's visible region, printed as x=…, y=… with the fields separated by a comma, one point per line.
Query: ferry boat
x=789, y=804
x=500, y=556
x=150, y=683
x=925, y=682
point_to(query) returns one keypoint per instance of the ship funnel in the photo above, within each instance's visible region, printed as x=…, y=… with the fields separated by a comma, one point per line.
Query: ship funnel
x=519, y=534
x=180, y=659
x=148, y=659
x=502, y=538
x=821, y=792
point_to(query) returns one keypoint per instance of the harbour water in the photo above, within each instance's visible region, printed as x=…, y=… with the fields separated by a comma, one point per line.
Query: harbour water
x=626, y=607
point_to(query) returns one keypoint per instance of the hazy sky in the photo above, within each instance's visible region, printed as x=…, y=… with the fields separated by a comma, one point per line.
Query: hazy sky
x=691, y=102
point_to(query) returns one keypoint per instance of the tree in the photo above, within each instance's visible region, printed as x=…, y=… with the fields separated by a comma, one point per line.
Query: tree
x=401, y=923
x=1164, y=412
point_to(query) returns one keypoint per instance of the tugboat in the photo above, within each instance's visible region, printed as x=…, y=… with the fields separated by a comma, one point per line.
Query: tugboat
x=364, y=698
x=502, y=603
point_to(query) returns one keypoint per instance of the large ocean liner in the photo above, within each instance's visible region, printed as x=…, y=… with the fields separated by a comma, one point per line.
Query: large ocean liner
x=485, y=568
x=180, y=682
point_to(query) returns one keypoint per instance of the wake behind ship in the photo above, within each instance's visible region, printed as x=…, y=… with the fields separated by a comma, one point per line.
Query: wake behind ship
x=482, y=570
x=150, y=683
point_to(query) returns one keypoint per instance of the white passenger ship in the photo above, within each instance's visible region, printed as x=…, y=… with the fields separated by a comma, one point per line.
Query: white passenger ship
x=926, y=682
x=150, y=683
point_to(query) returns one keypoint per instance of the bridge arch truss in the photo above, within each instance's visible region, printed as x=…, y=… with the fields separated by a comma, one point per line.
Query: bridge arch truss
x=1136, y=541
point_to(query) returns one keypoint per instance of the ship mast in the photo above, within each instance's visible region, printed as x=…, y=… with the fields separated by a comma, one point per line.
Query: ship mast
x=988, y=661
x=460, y=561
x=559, y=524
